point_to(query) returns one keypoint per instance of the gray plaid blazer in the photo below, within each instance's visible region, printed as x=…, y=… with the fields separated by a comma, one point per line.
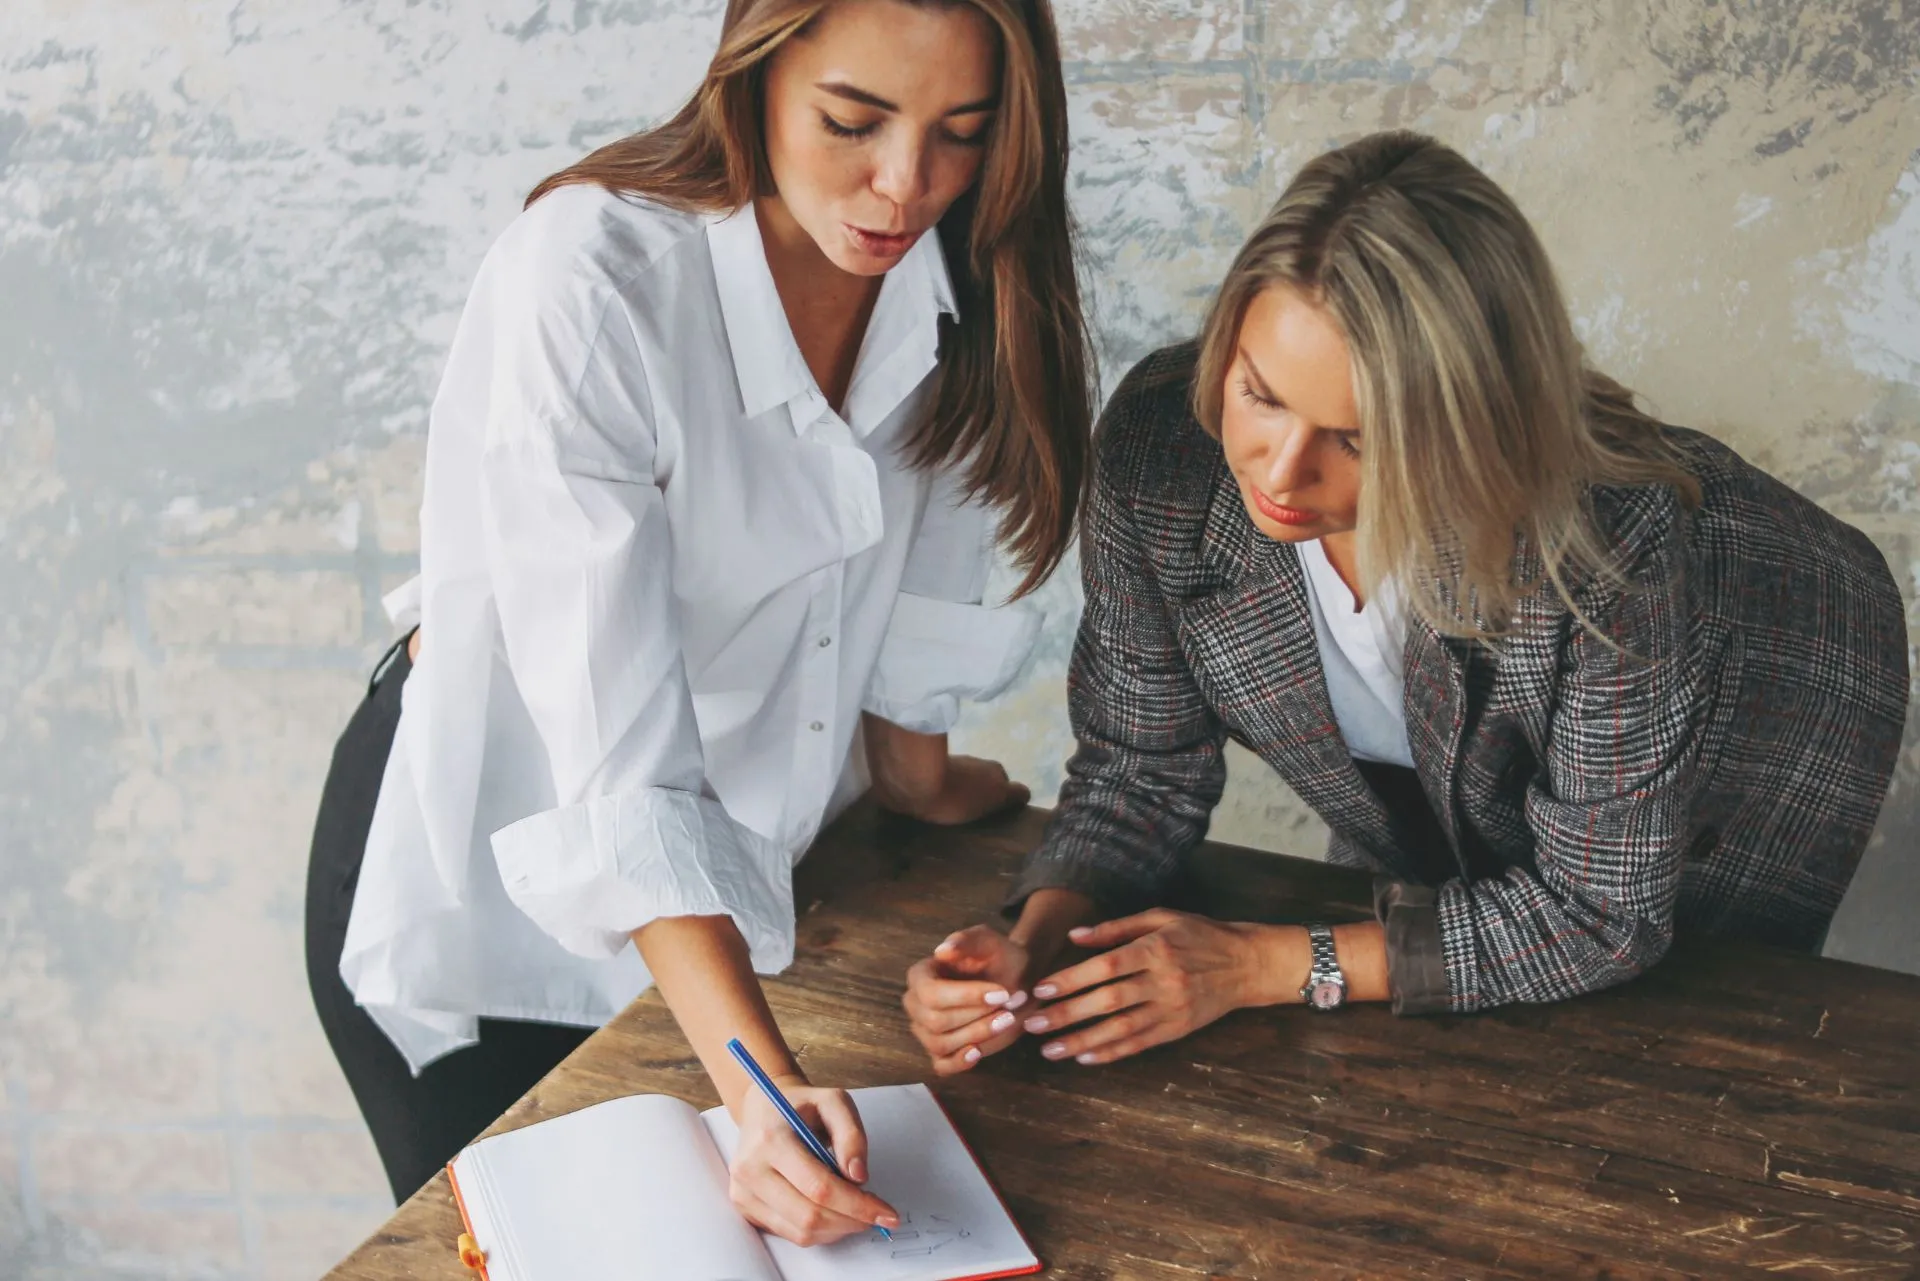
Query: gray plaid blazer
x=1723, y=781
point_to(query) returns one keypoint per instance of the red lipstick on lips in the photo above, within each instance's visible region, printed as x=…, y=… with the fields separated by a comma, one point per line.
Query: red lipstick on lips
x=880, y=244
x=1282, y=515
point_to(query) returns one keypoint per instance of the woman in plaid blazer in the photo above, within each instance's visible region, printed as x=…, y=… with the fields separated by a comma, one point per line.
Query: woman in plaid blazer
x=1632, y=684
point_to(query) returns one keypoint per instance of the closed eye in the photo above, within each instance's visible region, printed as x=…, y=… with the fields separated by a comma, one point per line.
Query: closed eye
x=1253, y=397
x=839, y=130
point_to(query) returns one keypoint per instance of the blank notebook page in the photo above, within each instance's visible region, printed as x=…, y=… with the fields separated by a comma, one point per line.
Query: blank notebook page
x=631, y=1189
x=952, y=1224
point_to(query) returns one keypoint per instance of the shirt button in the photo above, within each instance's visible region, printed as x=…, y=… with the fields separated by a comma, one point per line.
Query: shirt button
x=816, y=727
x=825, y=641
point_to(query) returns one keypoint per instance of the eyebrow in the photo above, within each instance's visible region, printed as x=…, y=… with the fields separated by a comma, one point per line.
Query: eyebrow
x=1267, y=393
x=840, y=89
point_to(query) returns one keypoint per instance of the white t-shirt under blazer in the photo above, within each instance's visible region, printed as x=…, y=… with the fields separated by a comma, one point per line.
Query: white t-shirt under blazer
x=660, y=580
x=1363, y=656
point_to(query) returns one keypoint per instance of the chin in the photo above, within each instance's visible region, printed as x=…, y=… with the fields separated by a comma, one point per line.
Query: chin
x=1284, y=533
x=859, y=264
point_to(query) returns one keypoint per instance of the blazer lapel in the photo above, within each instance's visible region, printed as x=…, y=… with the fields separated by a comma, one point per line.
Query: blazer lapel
x=1436, y=703
x=1253, y=652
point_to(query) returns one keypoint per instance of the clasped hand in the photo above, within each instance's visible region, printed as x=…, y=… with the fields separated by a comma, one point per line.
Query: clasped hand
x=1160, y=975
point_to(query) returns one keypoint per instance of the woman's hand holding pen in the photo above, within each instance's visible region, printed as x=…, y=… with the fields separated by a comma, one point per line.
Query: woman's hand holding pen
x=780, y=1186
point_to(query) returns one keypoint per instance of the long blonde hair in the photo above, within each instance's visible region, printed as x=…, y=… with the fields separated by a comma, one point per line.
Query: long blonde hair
x=1015, y=401
x=1482, y=429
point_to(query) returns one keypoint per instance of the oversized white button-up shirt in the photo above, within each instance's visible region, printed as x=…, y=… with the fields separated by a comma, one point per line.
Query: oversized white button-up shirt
x=660, y=580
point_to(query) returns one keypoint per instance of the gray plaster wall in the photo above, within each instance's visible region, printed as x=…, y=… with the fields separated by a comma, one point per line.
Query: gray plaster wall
x=234, y=238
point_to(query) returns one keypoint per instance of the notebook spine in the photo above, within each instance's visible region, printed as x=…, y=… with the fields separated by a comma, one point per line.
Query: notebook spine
x=472, y=1258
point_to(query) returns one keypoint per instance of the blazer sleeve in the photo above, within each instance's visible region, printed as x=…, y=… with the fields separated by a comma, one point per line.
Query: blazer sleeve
x=1148, y=768
x=1608, y=810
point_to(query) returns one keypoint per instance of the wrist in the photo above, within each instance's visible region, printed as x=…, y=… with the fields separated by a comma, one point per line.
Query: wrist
x=1045, y=919
x=1279, y=960
x=908, y=770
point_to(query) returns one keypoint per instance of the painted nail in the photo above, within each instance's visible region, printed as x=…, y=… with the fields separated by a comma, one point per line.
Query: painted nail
x=995, y=997
x=1017, y=1000
x=1089, y=1057
x=1038, y=1023
x=972, y=1055
x=1046, y=991
x=1057, y=1050
x=1001, y=1023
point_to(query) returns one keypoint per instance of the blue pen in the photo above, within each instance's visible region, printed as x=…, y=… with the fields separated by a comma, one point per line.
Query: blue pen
x=800, y=1127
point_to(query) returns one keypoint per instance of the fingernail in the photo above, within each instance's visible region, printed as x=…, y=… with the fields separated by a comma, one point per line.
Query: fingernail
x=972, y=1055
x=857, y=1170
x=995, y=998
x=1038, y=1023
x=1078, y=930
x=1055, y=1051
x=1001, y=1023
x=1017, y=1000
x=1046, y=991
x=888, y=1221
x=1088, y=1058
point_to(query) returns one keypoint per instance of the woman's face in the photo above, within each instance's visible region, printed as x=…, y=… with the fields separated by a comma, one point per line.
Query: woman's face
x=1288, y=421
x=876, y=122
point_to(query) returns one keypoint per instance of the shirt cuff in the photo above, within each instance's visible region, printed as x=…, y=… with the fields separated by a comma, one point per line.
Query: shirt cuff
x=592, y=874
x=937, y=653
x=1416, y=957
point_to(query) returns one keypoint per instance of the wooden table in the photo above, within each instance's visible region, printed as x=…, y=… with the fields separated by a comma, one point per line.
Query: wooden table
x=1738, y=1110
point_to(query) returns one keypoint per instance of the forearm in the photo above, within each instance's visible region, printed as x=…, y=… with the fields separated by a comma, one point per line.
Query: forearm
x=1281, y=958
x=702, y=967
x=908, y=769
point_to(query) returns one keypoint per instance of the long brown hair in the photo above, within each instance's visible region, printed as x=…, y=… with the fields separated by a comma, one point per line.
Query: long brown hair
x=1484, y=429
x=1014, y=403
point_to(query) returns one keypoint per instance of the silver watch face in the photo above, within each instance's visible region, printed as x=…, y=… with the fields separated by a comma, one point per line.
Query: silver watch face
x=1327, y=995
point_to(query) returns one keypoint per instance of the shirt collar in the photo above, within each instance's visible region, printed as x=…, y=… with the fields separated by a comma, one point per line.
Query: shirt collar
x=766, y=360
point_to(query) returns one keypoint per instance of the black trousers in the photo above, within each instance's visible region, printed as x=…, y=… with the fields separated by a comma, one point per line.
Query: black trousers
x=418, y=1123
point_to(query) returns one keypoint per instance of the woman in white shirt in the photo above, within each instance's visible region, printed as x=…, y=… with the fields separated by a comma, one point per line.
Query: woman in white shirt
x=705, y=534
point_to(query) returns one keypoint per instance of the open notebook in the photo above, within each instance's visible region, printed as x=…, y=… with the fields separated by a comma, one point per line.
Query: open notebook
x=636, y=1189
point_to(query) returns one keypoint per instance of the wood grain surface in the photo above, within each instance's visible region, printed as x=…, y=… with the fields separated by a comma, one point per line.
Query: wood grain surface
x=1739, y=1110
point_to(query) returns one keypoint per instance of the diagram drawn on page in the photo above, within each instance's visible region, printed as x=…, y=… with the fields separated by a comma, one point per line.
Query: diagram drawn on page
x=918, y=1240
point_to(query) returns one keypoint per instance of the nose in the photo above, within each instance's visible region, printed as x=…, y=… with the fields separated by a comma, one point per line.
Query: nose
x=900, y=171
x=1285, y=465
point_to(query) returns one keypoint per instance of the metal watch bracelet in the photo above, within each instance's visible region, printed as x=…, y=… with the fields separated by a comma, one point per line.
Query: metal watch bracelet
x=1326, y=986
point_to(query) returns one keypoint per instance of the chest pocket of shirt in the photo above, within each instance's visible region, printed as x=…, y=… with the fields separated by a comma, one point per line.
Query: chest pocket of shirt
x=746, y=525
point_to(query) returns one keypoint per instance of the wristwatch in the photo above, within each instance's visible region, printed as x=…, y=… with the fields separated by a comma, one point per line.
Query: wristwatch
x=1326, y=987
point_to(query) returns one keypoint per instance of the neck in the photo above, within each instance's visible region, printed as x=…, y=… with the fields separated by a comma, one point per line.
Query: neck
x=796, y=259
x=826, y=308
x=1343, y=553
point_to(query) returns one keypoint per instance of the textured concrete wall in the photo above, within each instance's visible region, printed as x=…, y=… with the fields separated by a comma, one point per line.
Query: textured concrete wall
x=233, y=241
